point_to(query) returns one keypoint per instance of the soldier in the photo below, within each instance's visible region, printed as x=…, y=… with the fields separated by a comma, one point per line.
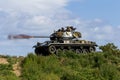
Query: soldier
x=72, y=28
x=62, y=29
x=59, y=30
x=68, y=29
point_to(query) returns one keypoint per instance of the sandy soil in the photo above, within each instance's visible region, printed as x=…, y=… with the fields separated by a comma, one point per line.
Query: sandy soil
x=17, y=69
x=3, y=61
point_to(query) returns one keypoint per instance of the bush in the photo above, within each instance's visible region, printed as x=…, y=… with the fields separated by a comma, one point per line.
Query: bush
x=110, y=47
x=109, y=72
x=6, y=72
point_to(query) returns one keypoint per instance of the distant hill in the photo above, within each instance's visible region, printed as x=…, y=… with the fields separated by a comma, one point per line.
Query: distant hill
x=63, y=66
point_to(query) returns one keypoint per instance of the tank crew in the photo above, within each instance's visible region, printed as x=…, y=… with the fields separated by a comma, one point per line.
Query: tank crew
x=72, y=28
x=62, y=29
x=59, y=30
x=68, y=29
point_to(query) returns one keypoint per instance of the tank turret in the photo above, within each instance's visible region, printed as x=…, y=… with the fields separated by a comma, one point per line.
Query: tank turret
x=65, y=34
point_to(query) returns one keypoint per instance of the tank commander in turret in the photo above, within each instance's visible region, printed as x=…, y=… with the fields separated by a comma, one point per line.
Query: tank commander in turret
x=72, y=28
x=68, y=29
x=59, y=30
x=62, y=29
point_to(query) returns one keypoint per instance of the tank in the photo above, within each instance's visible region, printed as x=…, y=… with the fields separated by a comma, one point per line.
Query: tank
x=63, y=39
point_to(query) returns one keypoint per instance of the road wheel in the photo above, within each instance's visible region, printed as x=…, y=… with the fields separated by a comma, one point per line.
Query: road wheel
x=78, y=51
x=57, y=51
x=52, y=49
x=72, y=50
x=85, y=51
x=91, y=49
x=64, y=50
x=38, y=51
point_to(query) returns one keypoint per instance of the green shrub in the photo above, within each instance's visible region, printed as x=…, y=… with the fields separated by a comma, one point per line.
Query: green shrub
x=110, y=47
x=109, y=72
x=6, y=72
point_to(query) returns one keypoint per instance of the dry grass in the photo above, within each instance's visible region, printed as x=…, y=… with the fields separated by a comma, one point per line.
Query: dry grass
x=17, y=69
x=3, y=61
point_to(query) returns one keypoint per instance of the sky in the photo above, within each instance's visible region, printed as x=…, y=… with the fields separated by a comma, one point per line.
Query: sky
x=97, y=20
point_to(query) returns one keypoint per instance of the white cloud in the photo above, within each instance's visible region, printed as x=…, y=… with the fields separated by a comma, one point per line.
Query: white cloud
x=33, y=6
x=39, y=20
x=30, y=15
x=108, y=29
x=98, y=20
x=98, y=31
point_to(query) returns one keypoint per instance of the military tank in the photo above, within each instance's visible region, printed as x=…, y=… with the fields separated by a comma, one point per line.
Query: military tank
x=63, y=39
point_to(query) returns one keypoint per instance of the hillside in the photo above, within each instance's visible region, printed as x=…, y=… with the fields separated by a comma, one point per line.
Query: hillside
x=63, y=66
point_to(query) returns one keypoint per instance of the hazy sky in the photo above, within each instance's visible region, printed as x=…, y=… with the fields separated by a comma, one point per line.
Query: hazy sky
x=97, y=20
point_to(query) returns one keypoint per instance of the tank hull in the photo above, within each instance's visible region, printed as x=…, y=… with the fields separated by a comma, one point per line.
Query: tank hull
x=79, y=46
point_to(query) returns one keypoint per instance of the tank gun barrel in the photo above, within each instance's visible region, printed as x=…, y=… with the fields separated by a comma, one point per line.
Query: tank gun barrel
x=23, y=36
x=40, y=37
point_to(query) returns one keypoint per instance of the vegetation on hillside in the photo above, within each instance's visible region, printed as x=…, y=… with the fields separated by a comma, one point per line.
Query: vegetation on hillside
x=70, y=66
x=67, y=65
